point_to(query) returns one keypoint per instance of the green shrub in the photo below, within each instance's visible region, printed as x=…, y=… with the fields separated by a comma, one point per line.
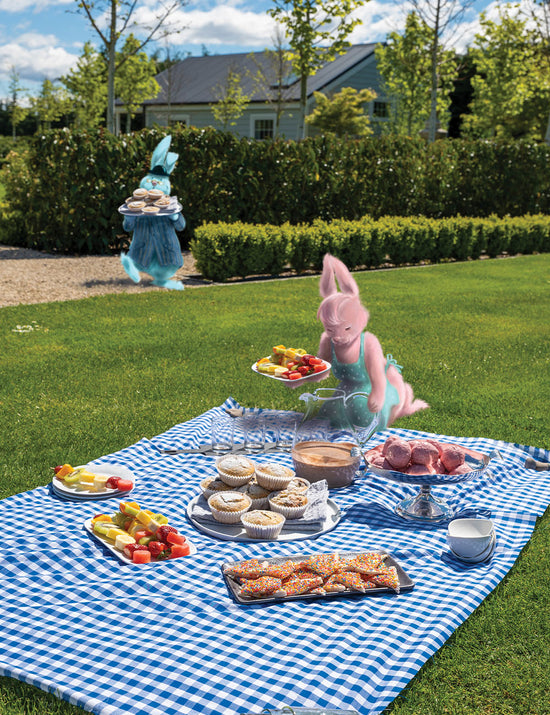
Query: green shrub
x=65, y=194
x=225, y=250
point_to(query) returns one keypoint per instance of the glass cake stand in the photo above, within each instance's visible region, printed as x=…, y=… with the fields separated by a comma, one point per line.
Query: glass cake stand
x=424, y=506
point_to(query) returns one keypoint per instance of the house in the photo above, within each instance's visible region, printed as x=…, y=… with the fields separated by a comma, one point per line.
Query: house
x=190, y=87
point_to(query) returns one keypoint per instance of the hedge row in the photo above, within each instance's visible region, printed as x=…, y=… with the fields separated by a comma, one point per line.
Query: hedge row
x=65, y=190
x=225, y=251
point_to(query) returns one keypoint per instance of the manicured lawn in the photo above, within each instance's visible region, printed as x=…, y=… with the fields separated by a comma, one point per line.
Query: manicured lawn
x=96, y=375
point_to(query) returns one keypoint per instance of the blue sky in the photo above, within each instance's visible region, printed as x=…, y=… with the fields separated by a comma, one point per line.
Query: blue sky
x=44, y=38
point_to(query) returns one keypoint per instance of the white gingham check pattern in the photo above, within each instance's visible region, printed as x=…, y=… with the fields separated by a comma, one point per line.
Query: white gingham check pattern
x=167, y=639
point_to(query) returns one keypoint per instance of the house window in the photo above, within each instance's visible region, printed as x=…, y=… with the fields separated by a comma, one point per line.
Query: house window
x=263, y=129
x=380, y=109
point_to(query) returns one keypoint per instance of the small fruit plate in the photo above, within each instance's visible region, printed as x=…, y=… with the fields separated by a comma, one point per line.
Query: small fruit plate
x=81, y=493
x=298, y=381
x=400, y=580
x=120, y=555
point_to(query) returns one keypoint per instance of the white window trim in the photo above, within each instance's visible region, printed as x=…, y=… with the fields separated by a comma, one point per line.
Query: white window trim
x=256, y=117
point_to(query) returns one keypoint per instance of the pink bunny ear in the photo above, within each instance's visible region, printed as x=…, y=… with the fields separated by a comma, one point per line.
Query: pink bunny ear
x=327, y=284
x=347, y=284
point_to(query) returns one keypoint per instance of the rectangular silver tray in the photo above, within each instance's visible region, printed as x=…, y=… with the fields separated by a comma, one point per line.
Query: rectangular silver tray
x=405, y=582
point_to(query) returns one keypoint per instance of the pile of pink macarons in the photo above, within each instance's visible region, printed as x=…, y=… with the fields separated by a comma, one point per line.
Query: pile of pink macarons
x=418, y=457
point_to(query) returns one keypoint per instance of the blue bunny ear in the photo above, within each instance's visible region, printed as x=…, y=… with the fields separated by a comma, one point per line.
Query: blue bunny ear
x=163, y=161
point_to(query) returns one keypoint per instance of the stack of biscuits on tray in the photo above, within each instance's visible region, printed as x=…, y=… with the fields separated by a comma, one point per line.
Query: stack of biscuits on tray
x=148, y=201
x=260, y=497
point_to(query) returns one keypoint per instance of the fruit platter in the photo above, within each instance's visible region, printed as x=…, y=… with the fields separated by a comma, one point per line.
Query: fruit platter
x=91, y=481
x=314, y=576
x=291, y=365
x=139, y=536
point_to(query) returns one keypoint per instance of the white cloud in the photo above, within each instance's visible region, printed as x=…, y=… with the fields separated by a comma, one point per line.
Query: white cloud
x=35, y=57
x=17, y=6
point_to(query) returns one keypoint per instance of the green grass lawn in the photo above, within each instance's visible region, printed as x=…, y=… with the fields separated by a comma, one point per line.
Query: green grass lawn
x=96, y=375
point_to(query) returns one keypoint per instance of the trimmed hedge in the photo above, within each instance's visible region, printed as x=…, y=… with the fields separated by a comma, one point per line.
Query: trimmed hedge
x=64, y=191
x=225, y=251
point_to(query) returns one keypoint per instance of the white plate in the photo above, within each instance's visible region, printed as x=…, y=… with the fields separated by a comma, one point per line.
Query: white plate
x=298, y=381
x=120, y=555
x=173, y=208
x=114, y=470
x=236, y=532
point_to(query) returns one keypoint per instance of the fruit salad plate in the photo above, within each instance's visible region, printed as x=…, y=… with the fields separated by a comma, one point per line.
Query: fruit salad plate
x=84, y=493
x=400, y=580
x=297, y=381
x=119, y=554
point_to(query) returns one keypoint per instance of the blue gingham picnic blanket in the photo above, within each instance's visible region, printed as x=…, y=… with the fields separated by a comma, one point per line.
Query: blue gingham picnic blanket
x=167, y=638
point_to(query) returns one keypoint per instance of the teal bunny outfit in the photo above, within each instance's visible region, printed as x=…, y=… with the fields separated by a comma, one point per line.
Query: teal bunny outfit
x=355, y=378
x=155, y=247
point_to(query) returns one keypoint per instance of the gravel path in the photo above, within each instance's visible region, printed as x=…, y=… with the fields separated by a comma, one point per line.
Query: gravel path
x=28, y=276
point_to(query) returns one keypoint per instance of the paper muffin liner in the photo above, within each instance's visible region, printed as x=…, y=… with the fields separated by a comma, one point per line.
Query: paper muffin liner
x=273, y=482
x=262, y=531
x=289, y=512
x=207, y=493
x=229, y=517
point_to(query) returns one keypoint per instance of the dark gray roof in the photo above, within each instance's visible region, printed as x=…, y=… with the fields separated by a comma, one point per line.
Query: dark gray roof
x=194, y=80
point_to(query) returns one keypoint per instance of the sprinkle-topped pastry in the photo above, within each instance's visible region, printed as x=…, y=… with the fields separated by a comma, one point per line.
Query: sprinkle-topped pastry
x=281, y=571
x=349, y=579
x=324, y=564
x=369, y=563
x=235, y=470
x=298, y=587
x=228, y=507
x=263, y=586
x=388, y=578
x=274, y=476
x=245, y=569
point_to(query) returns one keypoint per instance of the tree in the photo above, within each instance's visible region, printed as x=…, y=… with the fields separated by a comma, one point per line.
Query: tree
x=538, y=14
x=441, y=16
x=511, y=87
x=50, y=105
x=16, y=111
x=118, y=18
x=86, y=83
x=169, y=80
x=273, y=77
x=342, y=114
x=405, y=64
x=135, y=81
x=309, y=26
x=231, y=100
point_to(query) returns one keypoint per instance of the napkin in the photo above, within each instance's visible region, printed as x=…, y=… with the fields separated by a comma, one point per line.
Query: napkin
x=312, y=520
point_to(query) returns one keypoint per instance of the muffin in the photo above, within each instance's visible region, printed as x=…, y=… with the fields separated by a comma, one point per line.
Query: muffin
x=214, y=485
x=155, y=194
x=260, y=524
x=228, y=507
x=274, y=476
x=163, y=202
x=140, y=194
x=151, y=210
x=235, y=470
x=291, y=505
x=135, y=205
x=298, y=485
x=258, y=495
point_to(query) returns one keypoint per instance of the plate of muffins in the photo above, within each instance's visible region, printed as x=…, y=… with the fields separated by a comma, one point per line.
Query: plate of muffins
x=150, y=202
x=245, y=500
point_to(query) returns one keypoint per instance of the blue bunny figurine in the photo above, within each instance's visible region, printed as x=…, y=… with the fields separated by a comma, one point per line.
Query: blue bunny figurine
x=155, y=247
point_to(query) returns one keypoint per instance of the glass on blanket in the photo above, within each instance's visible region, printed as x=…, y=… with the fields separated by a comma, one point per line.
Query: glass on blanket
x=221, y=434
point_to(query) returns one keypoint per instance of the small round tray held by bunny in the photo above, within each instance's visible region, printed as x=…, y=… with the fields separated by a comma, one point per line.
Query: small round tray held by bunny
x=136, y=207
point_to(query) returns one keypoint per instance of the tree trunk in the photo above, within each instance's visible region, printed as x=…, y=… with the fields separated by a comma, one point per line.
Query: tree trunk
x=547, y=135
x=432, y=121
x=302, y=110
x=128, y=123
x=111, y=58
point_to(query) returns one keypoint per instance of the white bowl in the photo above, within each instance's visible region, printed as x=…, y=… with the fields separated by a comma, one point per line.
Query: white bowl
x=469, y=538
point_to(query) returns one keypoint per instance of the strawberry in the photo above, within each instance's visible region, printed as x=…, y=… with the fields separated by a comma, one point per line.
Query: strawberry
x=306, y=359
x=303, y=370
x=130, y=548
x=156, y=547
x=163, y=531
x=112, y=482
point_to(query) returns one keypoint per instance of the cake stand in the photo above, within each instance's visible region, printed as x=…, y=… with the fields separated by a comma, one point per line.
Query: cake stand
x=424, y=506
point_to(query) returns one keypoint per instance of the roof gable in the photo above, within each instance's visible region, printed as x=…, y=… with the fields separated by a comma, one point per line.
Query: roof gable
x=194, y=79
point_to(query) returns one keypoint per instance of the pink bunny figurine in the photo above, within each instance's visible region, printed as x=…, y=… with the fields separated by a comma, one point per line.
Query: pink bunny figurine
x=356, y=356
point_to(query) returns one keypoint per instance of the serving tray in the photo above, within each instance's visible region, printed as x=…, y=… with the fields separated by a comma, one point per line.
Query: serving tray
x=233, y=586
